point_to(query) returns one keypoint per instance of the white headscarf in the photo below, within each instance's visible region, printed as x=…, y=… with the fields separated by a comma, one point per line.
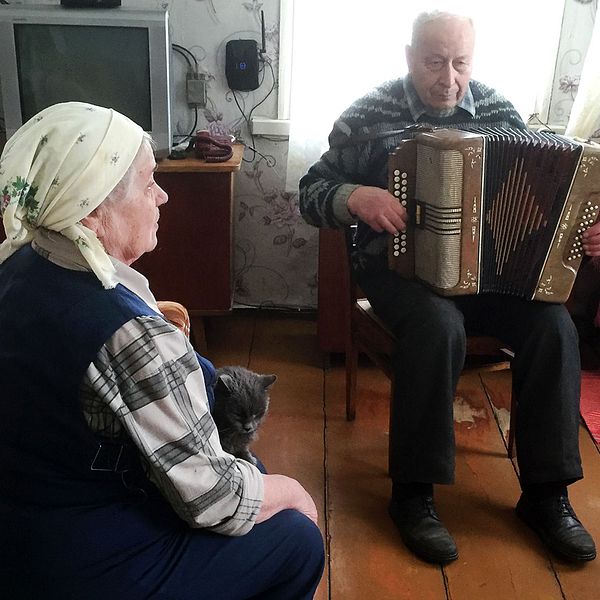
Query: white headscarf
x=57, y=168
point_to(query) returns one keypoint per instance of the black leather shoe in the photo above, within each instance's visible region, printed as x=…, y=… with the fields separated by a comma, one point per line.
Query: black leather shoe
x=556, y=523
x=421, y=529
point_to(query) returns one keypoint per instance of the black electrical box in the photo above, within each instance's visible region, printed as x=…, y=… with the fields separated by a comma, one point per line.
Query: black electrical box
x=241, y=64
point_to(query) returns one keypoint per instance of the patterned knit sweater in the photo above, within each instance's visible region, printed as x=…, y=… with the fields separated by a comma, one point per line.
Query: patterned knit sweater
x=324, y=190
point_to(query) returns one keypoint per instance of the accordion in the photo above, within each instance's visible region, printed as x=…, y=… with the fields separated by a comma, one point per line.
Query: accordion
x=494, y=210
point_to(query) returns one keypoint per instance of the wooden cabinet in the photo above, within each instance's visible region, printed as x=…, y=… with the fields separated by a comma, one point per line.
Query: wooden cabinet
x=192, y=262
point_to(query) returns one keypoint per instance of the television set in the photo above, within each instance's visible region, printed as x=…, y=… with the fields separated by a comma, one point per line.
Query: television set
x=117, y=58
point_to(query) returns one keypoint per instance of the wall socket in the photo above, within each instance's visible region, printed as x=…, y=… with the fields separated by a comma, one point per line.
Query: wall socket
x=195, y=84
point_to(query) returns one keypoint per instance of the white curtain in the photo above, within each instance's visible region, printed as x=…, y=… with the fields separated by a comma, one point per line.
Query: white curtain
x=584, y=121
x=344, y=48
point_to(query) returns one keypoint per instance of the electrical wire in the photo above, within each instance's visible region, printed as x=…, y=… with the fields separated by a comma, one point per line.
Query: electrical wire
x=247, y=118
x=187, y=54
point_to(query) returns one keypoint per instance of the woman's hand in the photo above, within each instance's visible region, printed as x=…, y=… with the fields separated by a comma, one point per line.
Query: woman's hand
x=283, y=492
x=378, y=209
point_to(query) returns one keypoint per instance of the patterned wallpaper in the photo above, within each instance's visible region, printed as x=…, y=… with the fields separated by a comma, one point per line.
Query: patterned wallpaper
x=276, y=253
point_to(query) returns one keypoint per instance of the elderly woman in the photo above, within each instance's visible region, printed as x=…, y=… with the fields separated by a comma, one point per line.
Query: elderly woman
x=113, y=483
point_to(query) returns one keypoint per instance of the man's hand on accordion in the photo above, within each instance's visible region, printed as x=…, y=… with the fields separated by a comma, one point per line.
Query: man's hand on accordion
x=378, y=209
x=591, y=240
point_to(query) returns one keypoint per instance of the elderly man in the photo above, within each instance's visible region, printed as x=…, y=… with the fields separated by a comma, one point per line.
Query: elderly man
x=348, y=185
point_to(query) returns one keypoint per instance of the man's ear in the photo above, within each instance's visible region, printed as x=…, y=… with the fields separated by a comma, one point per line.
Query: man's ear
x=408, y=52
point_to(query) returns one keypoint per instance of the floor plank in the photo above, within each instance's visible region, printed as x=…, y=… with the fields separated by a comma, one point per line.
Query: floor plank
x=367, y=557
x=344, y=467
x=582, y=582
x=496, y=560
x=291, y=439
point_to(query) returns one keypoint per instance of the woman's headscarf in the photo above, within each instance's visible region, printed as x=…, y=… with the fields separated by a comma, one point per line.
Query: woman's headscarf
x=57, y=168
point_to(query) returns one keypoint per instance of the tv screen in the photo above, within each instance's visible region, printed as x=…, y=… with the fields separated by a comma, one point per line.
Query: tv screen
x=59, y=63
x=117, y=58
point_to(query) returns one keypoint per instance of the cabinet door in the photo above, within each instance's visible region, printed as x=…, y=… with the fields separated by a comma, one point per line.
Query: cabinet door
x=192, y=261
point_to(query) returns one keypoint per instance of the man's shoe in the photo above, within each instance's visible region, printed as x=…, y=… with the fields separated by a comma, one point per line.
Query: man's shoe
x=421, y=529
x=556, y=523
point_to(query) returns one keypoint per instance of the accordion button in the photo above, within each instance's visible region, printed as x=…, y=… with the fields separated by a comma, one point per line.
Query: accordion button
x=403, y=243
x=396, y=179
x=396, y=172
x=404, y=196
x=403, y=250
x=404, y=174
x=396, y=253
x=396, y=193
x=404, y=203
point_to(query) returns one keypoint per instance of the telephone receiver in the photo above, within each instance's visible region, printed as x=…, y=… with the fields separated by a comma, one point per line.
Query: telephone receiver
x=212, y=148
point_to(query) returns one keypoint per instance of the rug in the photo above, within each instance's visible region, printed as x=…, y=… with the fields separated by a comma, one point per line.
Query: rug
x=590, y=402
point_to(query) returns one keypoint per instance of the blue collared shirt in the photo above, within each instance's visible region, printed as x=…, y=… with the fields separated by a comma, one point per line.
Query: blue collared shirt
x=418, y=109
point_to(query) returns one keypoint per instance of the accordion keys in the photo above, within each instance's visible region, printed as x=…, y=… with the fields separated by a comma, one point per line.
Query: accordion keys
x=401, y=184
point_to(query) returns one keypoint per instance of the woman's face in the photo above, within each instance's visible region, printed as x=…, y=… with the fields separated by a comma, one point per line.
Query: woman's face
x=127, y=226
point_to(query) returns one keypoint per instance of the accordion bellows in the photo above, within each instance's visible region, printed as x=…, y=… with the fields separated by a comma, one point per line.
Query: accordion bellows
x=494, y=211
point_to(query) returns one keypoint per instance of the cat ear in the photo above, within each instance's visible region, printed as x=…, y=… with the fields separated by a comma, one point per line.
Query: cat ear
x=224, y=383
x=267, y=380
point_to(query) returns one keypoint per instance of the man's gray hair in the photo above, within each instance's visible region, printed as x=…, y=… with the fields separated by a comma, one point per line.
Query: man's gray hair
x=434, y=15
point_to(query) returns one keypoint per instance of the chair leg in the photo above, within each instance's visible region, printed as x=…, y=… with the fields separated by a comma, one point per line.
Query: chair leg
x=511, y=426
x=351, y=369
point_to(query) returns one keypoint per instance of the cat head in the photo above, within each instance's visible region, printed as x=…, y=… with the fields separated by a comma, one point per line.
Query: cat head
x=241, y=400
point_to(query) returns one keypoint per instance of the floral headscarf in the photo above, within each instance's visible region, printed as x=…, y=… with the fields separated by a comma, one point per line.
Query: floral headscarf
x=57, y=168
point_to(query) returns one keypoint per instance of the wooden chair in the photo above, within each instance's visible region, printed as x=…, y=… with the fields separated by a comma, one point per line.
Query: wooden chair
x=368, y=334
x=178, y=315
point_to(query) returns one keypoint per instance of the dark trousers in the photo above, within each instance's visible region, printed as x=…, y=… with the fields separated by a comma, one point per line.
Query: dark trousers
x=143, y=551
x=430, y=356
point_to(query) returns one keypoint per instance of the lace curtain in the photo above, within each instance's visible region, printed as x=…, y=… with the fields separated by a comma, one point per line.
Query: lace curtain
x=584, y=120
x=344, y=48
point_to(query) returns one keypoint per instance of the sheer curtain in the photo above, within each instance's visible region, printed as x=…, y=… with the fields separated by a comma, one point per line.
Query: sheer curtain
x=584, y=120
x=344, y=48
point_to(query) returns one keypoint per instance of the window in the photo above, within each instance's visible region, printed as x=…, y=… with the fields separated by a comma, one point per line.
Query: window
x=333, y=51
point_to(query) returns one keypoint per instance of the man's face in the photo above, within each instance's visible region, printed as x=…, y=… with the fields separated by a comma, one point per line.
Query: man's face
x=440, y=62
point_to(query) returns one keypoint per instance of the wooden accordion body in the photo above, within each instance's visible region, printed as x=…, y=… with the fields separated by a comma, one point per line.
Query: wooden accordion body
x=494, y=210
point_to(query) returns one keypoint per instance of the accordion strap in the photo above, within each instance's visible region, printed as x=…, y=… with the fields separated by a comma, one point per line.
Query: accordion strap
x=355, y=140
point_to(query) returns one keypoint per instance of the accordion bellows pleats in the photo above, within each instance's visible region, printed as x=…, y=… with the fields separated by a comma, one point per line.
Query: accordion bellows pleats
x=494, y=211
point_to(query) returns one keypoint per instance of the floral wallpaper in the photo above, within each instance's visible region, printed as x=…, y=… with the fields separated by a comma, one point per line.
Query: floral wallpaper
x=275, y=262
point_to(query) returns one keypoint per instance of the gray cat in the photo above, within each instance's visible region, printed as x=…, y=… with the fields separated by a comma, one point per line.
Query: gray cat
x=241, y=404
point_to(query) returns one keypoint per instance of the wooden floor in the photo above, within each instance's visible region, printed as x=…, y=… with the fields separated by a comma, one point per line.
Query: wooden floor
x=343, y=466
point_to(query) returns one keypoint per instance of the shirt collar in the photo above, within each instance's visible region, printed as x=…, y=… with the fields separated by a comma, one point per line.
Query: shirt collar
x=418, y=109
x=61, y=251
